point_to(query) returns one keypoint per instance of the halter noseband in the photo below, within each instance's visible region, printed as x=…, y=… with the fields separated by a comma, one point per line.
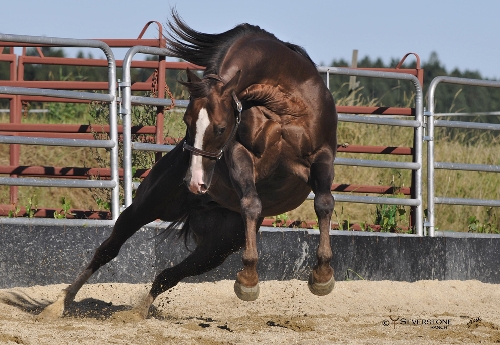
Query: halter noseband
x=218, y=154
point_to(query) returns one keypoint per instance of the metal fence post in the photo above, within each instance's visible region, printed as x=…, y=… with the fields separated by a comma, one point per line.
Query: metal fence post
x=126, y=111
x=430, y=160
x=418, y=154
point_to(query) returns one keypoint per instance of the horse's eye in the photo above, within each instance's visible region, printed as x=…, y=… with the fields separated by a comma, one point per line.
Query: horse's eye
x=219, y=130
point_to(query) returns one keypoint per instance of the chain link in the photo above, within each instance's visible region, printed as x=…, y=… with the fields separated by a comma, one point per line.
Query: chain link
x=25, y=108
x=154, y=90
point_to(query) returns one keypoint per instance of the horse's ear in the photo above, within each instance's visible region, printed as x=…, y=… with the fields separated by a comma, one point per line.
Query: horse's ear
x=192, y=77
x=231, y=85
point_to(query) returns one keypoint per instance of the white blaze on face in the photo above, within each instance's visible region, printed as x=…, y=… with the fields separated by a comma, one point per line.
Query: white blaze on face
x=202, y=123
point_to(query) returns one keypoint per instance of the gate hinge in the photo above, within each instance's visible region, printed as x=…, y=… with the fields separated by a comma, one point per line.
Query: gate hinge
x=124, y=111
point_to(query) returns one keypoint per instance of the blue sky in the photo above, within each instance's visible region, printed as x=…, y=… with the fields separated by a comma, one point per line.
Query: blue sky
x=465, y=34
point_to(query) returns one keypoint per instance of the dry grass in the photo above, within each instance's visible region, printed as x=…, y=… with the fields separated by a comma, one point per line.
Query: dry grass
x=467, y=184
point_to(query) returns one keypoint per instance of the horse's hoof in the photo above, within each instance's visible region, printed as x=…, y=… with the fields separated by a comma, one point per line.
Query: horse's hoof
x=129, y=316
x=138, y=313
x=52, y=311
x=320, y=289
x=246, y=293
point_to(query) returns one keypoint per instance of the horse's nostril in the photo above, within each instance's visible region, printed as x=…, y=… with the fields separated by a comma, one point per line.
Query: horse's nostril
x=203, y=189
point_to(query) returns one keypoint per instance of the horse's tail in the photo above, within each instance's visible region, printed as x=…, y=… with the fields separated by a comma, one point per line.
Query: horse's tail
x=180, y=228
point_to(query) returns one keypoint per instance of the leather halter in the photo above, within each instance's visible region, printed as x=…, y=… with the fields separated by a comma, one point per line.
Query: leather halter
x=218, y=154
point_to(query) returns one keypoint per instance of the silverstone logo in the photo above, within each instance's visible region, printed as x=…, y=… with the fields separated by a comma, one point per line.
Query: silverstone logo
x=403, y=321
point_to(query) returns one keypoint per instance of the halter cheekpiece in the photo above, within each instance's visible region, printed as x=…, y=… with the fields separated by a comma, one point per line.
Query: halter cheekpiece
x=218, y=154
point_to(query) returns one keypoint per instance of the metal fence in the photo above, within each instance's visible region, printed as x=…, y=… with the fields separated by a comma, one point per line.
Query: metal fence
x=415, y=201
x=19, y=104
x=416, y=165
x=109, y=97
x=432, y=164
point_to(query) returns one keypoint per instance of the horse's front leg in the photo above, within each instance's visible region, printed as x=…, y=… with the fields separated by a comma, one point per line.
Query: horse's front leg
x=161, y=194
x=321, y=280
x=126, y=225
x=241, y=170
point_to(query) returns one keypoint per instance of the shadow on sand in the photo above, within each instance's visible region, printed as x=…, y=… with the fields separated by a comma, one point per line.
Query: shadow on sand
x=87, y=308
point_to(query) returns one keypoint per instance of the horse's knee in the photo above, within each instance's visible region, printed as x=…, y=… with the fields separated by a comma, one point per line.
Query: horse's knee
x=251, y=206
x=323, y=204
x=130, y=219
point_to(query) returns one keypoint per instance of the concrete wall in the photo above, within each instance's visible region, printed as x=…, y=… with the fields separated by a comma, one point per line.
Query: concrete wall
x=40, y=255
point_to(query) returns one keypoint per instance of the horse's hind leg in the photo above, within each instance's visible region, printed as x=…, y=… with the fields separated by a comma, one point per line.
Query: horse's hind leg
x=219, y=232
x=321, y=280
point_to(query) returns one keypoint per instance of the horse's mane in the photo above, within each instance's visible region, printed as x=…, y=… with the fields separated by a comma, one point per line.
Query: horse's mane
x=208, y=50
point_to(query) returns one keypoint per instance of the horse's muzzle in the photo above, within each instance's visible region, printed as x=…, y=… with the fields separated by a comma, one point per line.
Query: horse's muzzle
x=195, y=187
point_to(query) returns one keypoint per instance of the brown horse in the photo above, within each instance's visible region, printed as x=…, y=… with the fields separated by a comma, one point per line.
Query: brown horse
x=261, y=134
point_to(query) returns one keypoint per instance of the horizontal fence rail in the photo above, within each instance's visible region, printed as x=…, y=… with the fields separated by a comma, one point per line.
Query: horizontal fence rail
x=469, y=167
x=68, y=183
x=379, y=121
x=377, y=163
x=432, y=164
x=372, y=200
x=467, y=125
x=466, y=202
x=57, y=142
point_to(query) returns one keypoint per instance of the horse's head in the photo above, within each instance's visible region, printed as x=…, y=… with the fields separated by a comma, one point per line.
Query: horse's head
x=212, y=118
